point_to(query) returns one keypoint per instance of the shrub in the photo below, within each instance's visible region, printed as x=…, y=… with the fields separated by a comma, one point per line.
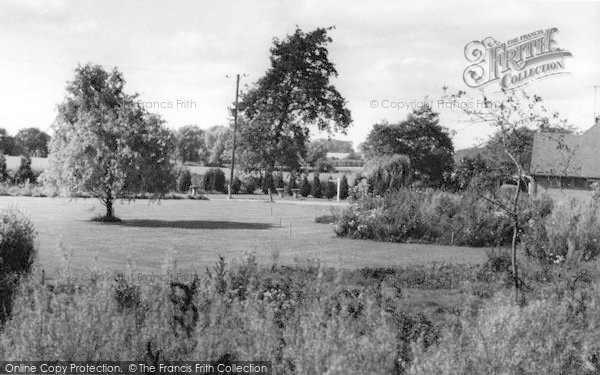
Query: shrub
x=570, y=232
x=17, y=253
x=387, y=173
x=24, y=173
x=3, y=169
x=316, y=187
x=330, y=189
x=344, y=187
x=214, y=180
x=184, y=181
x=236, y=185
x=249, y=185
x=306, y=187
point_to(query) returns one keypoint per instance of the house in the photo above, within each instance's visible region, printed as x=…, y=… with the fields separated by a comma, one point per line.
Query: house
x=566, y=161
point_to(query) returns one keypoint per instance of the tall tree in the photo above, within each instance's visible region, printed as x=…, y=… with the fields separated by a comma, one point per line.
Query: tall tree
x=8, y=145
x=105, y=143
x=294, y=94
x=218, y=143
x=33, y=141
x=421, y=138
x=190, y=144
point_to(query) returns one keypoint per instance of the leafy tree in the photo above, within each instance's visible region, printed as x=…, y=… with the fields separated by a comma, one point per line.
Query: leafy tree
x=190, y=144
x=33, y=141
x=294, y=94
x=316, y=187
x=421, y=138
x=472, y=167
x=305, y=188
x=218, y=142
x=511, y=113
x=330, y=189
x=8, y=144
x=214, y=180
x=106, y=144
x=343, y=187
x=315, y=151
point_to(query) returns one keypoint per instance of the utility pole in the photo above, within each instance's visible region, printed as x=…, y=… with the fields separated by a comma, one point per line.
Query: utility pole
x=235, y=116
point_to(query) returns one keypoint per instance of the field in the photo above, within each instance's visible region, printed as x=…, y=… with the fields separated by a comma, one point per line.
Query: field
x=200, y=231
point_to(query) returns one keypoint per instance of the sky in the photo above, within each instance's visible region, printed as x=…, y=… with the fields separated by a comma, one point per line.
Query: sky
x=182, y=56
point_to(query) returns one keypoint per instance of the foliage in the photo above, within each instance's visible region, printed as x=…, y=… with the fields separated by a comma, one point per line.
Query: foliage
x=17, y=253
x=106, y=143
x=236, y=185
x=190, y=144
x=316, y=150
x=24, y=173
x=330, y=189
x=344, y=187
x=324, y=166
x=8, y=144
x=218, y=141
x=294, y=94
x=387, y=173
x=214, y=180
x=420, y=137
x=305, y=187
x=184, y=181
x=267, y=183
x=3, y=169
x=569, y=232
x=33, y=141
x=316, y=187
x=249, y=184
x=409, y=215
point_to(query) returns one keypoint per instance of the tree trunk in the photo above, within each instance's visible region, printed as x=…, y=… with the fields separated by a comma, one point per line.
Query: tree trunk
x=515, y=236
x=109, y=206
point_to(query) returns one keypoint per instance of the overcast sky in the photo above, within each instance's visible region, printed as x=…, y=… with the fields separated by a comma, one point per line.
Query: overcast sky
x=183, y=50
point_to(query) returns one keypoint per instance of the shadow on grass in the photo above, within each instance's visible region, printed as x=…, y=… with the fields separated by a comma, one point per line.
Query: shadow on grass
x=191, y=224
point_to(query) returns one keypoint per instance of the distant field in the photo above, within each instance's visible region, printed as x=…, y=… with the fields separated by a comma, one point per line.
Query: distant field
x=200, y=231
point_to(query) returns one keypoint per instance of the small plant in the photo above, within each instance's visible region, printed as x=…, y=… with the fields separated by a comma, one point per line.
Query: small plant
x=344, y=187
x=249, y=185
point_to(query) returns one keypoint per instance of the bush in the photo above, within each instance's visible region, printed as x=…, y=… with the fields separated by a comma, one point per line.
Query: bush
x=24, y=173
x=344, y=188
x=17, y=253
x=3, y=169
x=410, y=215
x=387, y=173
x=184, y=181
x=570, y=232
x=214, y=180
x=306, y=187
x=249, y=185
x=330, y=189
x=316, y=187
x=236, y=185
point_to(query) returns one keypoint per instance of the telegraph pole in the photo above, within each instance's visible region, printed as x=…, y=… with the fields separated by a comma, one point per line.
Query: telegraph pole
x=235, y=116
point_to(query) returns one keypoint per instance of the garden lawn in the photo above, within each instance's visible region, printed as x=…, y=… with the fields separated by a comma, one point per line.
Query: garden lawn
x=201, y=231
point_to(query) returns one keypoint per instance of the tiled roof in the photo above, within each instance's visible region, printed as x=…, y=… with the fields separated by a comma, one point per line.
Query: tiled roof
x=567, y=155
